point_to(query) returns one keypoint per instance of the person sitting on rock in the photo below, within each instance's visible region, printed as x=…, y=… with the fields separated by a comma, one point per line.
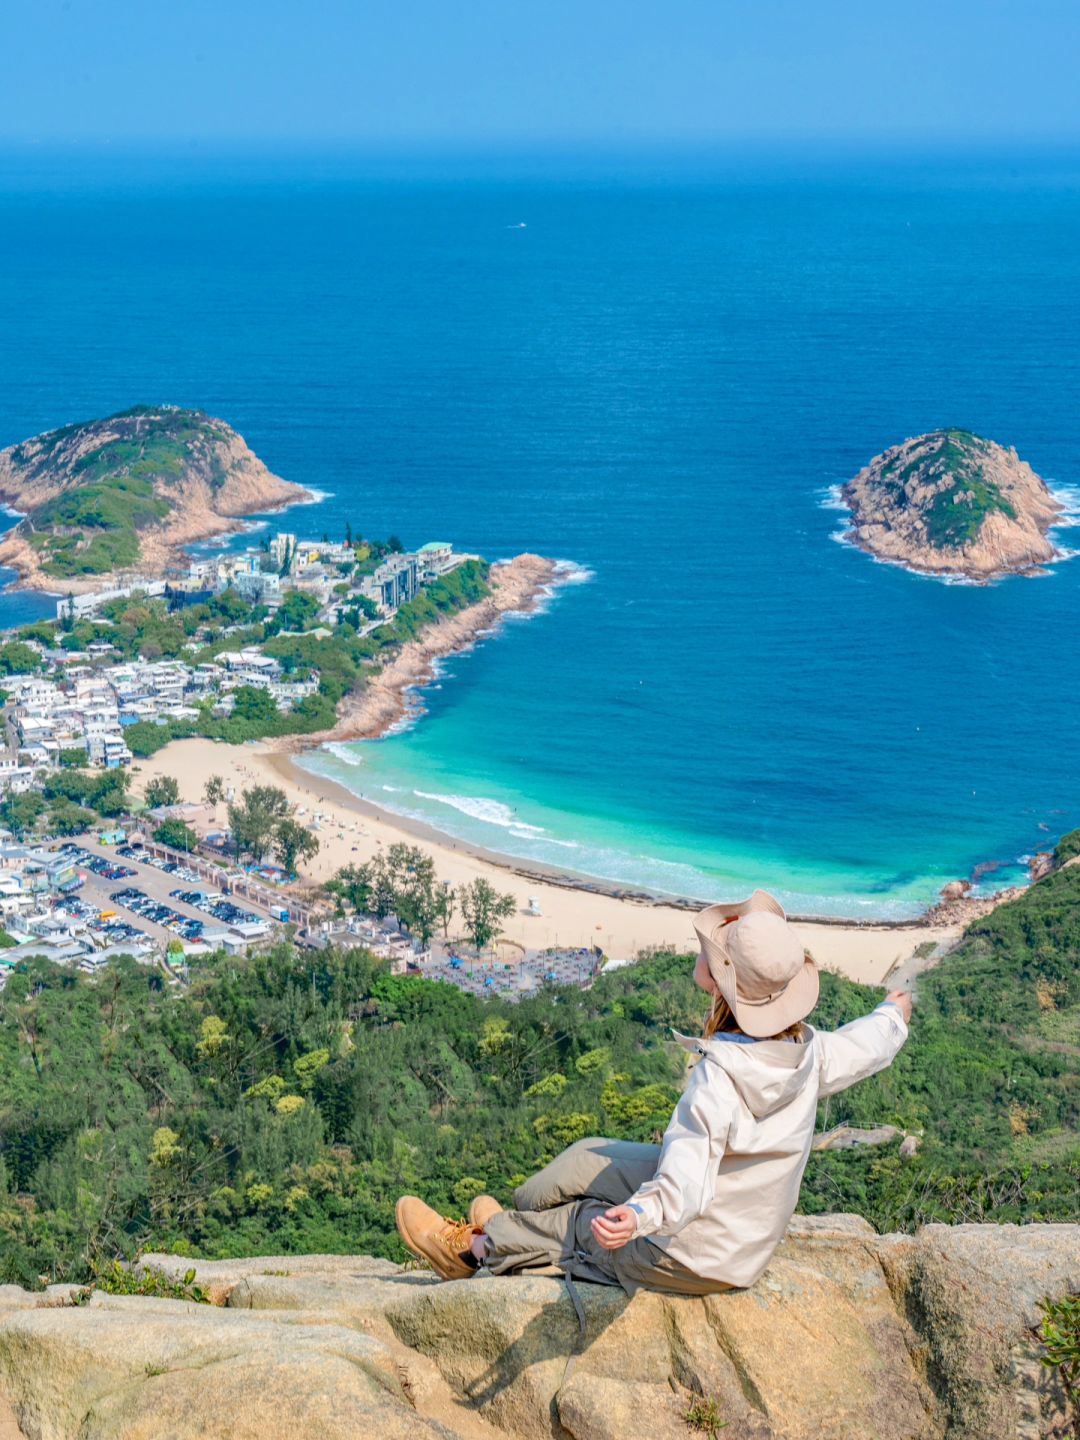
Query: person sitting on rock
x=704, y=1211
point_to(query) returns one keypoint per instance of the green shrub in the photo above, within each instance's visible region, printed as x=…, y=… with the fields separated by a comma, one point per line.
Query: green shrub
x=1059, y=1331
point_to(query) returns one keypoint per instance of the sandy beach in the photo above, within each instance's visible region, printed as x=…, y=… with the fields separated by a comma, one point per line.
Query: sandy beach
x=351, y=831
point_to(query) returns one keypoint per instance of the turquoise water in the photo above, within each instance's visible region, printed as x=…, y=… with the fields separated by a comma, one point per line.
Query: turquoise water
x=658, y=379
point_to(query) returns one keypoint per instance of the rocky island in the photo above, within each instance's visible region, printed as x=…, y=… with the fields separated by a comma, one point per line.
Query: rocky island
x=106, y=496
x=953, y=503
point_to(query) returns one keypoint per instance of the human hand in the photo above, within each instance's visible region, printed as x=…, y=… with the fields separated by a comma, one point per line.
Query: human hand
x=902, y=999
x=615, y=1227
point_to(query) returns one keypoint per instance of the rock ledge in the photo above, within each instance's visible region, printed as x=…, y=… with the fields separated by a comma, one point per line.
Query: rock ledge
x=848, y=1336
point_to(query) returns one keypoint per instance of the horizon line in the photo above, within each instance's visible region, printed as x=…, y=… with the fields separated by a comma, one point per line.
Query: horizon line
x=574, y=145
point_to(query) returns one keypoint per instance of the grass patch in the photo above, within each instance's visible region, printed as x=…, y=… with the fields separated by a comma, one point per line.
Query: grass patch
x=704, y=1418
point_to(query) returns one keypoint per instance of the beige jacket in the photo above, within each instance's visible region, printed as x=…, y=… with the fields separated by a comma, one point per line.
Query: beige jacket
x=738, y=1142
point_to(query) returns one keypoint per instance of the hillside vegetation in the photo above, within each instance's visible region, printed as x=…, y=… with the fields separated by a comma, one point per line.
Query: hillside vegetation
x=284, y=1101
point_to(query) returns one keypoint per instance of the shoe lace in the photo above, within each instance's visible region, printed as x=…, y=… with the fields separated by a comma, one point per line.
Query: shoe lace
x=455, y=1236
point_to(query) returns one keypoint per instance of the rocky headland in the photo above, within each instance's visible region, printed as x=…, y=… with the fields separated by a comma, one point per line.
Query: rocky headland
x=848, y=1335
x=950, y=503
x=126, y=493
x=517, y=587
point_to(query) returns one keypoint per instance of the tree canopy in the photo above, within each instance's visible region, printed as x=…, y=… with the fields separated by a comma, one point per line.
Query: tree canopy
x=162, y=790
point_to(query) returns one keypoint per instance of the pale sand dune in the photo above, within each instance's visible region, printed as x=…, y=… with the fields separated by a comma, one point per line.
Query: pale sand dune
x=571, y=916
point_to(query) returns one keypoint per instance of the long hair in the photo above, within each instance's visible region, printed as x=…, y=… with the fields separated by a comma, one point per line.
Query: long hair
x=721, y=1019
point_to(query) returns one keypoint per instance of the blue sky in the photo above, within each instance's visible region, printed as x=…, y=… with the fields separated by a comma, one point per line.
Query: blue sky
x=391, y=73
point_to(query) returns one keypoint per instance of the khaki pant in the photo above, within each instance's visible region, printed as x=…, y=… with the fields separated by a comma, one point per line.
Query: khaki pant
x=550, y=1226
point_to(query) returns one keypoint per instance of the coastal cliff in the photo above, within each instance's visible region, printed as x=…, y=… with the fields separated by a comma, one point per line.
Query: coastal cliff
x=952, y=503
x=848, y=1335
x=129, y=491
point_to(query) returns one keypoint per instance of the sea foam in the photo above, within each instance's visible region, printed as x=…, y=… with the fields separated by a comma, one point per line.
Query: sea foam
x=315, y=497
x=831, y=497
x=1068, y=497
x=345, y=753
x=569, y=572
x=477, y=807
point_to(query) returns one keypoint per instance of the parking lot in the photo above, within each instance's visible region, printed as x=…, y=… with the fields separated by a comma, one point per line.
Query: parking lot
x=109, y=929
x=140, y=894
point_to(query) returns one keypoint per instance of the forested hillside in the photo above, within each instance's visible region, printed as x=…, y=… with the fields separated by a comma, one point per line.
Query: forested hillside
x=283, y=1102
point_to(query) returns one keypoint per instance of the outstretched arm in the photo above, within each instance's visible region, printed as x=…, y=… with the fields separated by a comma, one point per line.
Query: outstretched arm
x=865, y=1046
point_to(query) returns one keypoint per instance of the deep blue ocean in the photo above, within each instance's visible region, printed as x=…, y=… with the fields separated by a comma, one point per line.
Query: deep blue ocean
x=658, y=379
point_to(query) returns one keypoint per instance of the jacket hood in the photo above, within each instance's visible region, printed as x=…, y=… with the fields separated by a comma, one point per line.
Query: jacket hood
x=767, y=1074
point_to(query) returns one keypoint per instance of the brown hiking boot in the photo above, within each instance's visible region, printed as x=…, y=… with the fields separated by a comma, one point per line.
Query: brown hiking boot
x=443, y=1243
x=482, y=1209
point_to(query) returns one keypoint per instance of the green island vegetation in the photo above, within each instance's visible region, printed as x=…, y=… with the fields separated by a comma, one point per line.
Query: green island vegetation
x=113, y=488
x=956, y=513
x=139, y=627
x=281, y=1102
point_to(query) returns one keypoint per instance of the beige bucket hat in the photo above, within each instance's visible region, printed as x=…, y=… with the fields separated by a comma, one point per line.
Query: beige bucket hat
x=759, y=964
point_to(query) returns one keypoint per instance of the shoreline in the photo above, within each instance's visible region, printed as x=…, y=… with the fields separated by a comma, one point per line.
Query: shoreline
x=392, y=695
x=288, y=767
x=575, y=908
x=574, y=911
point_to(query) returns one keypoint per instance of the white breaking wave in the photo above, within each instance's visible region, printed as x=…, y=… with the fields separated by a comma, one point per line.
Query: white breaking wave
x=831, y=498
x=346, y=755
x=229, y=537
x=492, y=812
x=316, y=498
x=1068, y=497
x=571, y=573
x=405, y=722
x=632, y=867
x=567, y=572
